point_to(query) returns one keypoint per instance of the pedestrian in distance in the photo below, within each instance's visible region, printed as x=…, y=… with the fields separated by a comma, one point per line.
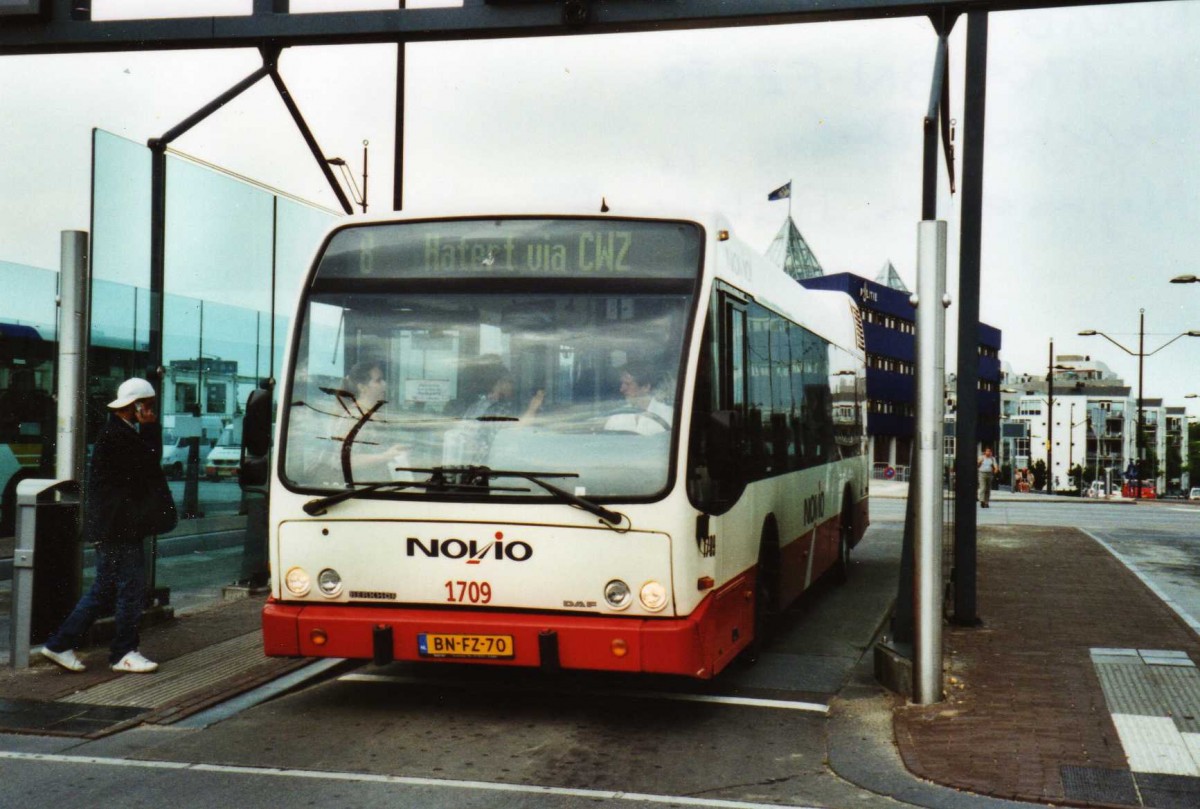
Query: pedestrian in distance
x=987, y=473
x=125, y=501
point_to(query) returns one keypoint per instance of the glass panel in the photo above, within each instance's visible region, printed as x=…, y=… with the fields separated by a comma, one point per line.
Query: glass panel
x=300, y=229
x=120, y=256
x=529, y=382
x=120, y=211
x=218, y=330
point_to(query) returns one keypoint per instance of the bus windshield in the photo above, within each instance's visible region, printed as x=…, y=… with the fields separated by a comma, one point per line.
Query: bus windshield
x=403, y=386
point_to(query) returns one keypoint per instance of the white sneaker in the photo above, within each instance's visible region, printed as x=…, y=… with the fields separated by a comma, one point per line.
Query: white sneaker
x=134, y=663
x=66, y=659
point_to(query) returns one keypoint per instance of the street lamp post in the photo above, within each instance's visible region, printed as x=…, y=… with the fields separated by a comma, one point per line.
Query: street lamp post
x=1141, y=354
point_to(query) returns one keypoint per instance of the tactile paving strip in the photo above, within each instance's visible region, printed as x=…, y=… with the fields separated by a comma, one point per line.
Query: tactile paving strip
x=1154, y=698
x=179, y=677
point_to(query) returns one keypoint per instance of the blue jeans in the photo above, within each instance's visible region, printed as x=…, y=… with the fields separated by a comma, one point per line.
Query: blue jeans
x=119, y=588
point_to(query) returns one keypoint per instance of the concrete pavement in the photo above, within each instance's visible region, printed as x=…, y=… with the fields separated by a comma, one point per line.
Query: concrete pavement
x=1079, y=688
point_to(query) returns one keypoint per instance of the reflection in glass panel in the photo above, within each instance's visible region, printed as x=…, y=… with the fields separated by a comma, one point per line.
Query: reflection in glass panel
x=27, y=356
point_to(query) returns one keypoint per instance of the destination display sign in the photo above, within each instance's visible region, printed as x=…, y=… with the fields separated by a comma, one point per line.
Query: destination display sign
x=516, y=248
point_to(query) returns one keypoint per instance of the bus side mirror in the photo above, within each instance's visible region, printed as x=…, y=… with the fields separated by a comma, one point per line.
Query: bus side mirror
x=256, y=440
x=724, y=444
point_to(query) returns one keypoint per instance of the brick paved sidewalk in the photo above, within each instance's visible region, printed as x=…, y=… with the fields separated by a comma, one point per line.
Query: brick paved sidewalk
x=1025, y=700
x=47, y=700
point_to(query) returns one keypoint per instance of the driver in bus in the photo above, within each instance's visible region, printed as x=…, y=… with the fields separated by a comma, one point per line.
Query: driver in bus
x=644, y=412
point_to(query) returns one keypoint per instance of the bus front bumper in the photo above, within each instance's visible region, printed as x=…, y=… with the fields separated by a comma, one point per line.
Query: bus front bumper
x=698, y=645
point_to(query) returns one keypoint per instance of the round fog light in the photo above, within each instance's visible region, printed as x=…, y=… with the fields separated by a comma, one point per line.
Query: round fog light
x=329, y=581
x=617, y=594
x=297, y=582
x=653, y=596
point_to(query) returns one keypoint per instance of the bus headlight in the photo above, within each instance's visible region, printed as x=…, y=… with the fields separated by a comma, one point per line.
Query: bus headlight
x=330, y=582
x=297, y=582
x=653, y=596
x=617, y=594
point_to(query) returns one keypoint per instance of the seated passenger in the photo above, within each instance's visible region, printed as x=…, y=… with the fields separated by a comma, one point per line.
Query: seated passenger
x=471, y=444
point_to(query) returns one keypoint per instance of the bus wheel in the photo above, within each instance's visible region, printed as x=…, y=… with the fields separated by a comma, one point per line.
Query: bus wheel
x=841, y=568
x=766, y=598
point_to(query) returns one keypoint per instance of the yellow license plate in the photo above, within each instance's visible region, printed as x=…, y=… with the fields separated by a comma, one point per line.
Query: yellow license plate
x=487, y=646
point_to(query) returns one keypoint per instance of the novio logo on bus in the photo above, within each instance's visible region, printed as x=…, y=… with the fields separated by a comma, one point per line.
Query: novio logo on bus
x=473, y=550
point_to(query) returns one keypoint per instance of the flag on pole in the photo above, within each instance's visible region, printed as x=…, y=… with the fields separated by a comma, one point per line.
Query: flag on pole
x=782, y=192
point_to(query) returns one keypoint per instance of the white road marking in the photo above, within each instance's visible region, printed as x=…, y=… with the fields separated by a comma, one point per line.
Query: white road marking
x=400, y=780
x=1154, y=588
x=778, y=704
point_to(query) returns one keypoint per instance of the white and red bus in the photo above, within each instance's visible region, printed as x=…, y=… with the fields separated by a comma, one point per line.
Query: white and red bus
x=583, y=442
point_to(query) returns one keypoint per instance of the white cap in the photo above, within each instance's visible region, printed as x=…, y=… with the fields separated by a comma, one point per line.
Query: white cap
x=131, y=390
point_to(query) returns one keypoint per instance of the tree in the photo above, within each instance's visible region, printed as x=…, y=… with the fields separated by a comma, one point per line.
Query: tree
x=1076, y=475
x=1039, y=475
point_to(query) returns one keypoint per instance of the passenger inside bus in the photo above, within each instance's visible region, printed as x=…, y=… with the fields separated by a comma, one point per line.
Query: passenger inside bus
x=376, y=452
x=491, y=408
x=644, y=412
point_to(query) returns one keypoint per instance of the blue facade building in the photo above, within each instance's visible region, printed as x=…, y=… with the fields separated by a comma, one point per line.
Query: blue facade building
x=889, y=329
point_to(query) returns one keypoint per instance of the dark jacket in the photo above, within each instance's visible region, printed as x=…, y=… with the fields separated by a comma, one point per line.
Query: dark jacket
x=127, y=497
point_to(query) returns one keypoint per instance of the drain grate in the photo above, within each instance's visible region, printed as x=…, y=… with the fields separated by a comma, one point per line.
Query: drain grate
x=1099, y=785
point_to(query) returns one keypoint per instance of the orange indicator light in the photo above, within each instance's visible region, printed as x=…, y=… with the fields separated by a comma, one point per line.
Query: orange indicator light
x=318, y=637
x=705, y=583
x=619, y=647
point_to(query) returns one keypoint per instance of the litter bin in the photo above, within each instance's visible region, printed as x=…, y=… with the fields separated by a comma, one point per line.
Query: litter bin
x=47, y=561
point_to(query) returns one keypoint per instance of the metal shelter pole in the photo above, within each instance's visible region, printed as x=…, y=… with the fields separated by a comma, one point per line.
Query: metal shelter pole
x=72, y=354
x=967, y=421
x=305, y=132
x=931, y=374
x=398, y=167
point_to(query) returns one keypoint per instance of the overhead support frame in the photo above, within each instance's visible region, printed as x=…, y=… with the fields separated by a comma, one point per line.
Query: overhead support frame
x=60, y=29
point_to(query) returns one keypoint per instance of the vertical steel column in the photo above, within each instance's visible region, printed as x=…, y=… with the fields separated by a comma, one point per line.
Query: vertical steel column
x=967, y=420
x=72, y=354
x=158, y=227
x=398, y=168
x=931, y=374
x=930, y=155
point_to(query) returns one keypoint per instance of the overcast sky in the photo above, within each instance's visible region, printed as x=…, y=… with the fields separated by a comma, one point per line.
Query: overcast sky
x=1092, y=178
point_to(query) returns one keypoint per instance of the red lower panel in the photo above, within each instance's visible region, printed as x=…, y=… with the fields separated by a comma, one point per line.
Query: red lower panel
x=794, y=562
x=699, y=645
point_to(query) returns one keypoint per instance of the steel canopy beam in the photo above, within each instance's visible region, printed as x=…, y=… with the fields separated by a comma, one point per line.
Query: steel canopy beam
x=58, y=32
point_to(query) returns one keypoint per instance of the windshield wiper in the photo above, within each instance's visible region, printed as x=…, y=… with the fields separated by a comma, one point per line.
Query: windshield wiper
x=317, y=506
x=611, y=517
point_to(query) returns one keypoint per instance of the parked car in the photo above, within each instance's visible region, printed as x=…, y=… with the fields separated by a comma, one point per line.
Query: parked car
x=222, y=462
x=1194, y=494
x=175, y=455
